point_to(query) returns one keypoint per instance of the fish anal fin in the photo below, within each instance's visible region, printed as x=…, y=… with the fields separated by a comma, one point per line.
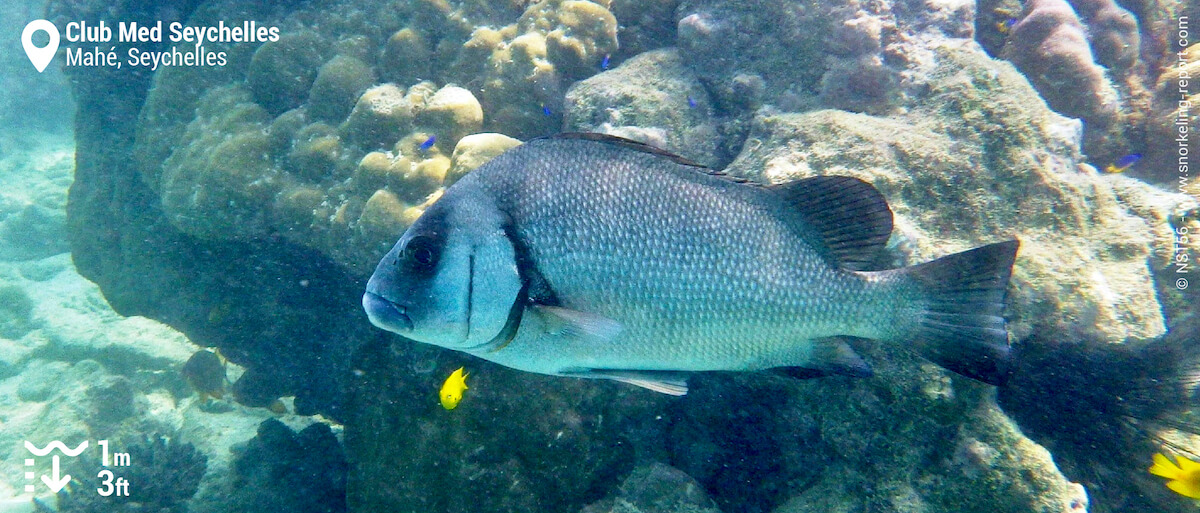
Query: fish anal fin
x=830, y=356
x=849, y=215
x=663, y=382
x=565, y=321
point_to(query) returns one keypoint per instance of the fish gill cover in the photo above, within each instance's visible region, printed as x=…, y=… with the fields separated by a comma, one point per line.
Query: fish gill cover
x=246, y=205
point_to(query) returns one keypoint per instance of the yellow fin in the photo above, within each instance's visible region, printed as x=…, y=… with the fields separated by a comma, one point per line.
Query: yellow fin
x=1186, y=464
x=1186, y=488
x=1164, y=468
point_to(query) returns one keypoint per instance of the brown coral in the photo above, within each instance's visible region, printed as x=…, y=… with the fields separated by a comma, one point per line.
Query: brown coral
x=1049, y=45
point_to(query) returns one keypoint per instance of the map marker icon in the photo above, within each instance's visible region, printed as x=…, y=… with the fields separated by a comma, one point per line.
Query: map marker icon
x=40, y=57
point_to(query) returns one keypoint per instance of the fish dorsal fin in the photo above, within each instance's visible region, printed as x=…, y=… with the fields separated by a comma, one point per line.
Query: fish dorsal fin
x=633, y=145
x=642, y=147
x=850, y=216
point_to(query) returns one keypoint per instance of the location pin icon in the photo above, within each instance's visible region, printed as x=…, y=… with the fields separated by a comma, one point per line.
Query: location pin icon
x=40, y=57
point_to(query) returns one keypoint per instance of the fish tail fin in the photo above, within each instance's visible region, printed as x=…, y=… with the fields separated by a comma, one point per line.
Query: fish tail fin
x=962, y=326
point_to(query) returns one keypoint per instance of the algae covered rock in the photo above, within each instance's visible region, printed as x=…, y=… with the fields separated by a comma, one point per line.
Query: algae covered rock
x=337, y=86
x=452, y=112
x=475, y=150
x=562, y=443
x=288, y=138
x=653, y=98
x=955, y=180
x=729, y=43
x=243, y=174
x=656, y=488
x=282, y=72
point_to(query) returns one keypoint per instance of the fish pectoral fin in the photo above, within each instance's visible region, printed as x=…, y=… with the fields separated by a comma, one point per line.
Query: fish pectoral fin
x=663, y=382
x=565, y=321
x=830, y=356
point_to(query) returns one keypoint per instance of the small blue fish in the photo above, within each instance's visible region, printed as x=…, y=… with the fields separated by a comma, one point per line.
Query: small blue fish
x=691, y=102
x=1124, y=163
x=604, y=63
x=428, y=143
x=546, y=111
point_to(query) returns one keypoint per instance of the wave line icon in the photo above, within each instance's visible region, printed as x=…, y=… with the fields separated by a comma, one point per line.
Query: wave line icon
x=56, y=445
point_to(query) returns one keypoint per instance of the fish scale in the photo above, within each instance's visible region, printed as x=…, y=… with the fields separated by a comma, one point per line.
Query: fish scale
x=782, y=296
x=591, y=256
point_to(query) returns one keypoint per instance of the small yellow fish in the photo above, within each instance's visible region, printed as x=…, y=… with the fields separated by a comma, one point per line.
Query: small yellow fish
x=452, y=389
x=1184, y=477
x=1004, y=27
x=1123, y=163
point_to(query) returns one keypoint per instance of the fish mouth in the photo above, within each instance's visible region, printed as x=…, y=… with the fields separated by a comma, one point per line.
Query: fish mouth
x=386, y=314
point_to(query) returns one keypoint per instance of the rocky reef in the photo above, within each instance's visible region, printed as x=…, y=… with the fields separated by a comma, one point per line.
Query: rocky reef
x=1097, y=60
x=337, y=135
x=246, y=205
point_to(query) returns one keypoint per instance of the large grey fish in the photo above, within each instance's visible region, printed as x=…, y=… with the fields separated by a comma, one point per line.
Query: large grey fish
x=590, y=256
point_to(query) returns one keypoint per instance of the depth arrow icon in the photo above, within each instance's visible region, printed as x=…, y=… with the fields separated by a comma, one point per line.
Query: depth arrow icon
x=56, y=483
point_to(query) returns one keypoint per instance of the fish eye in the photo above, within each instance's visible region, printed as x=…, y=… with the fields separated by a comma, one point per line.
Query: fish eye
x=421, y=252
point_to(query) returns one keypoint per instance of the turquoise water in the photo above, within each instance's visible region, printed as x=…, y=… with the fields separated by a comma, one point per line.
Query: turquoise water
x=185, y=240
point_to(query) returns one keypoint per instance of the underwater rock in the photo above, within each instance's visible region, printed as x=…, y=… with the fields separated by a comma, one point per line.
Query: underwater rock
x=749, y=441
x=111, y=400
x=475, y=150
x=228, y=156
x=656, y=488
x=1103, y=409
x=563, y=443
x=235, y=179
x=916, y=439
x=281, y=73
x=223, y=437
x=1170, y=217
x=336, y=88
x=40, y=380
x=762, y=39
x=1086, y=252
x=1050, y=47
x=380, y=113
x=452, y=113
x=651, y=93
x=37, y=174
x=1112, y=32
x=644, y=25
x=857, y=56
x=1175, y=107
x=282, y=469
x=166, y=473
x=36, y=231
x=16, y=312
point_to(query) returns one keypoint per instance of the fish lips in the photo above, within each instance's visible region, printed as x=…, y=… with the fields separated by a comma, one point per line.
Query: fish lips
x=386, y=314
